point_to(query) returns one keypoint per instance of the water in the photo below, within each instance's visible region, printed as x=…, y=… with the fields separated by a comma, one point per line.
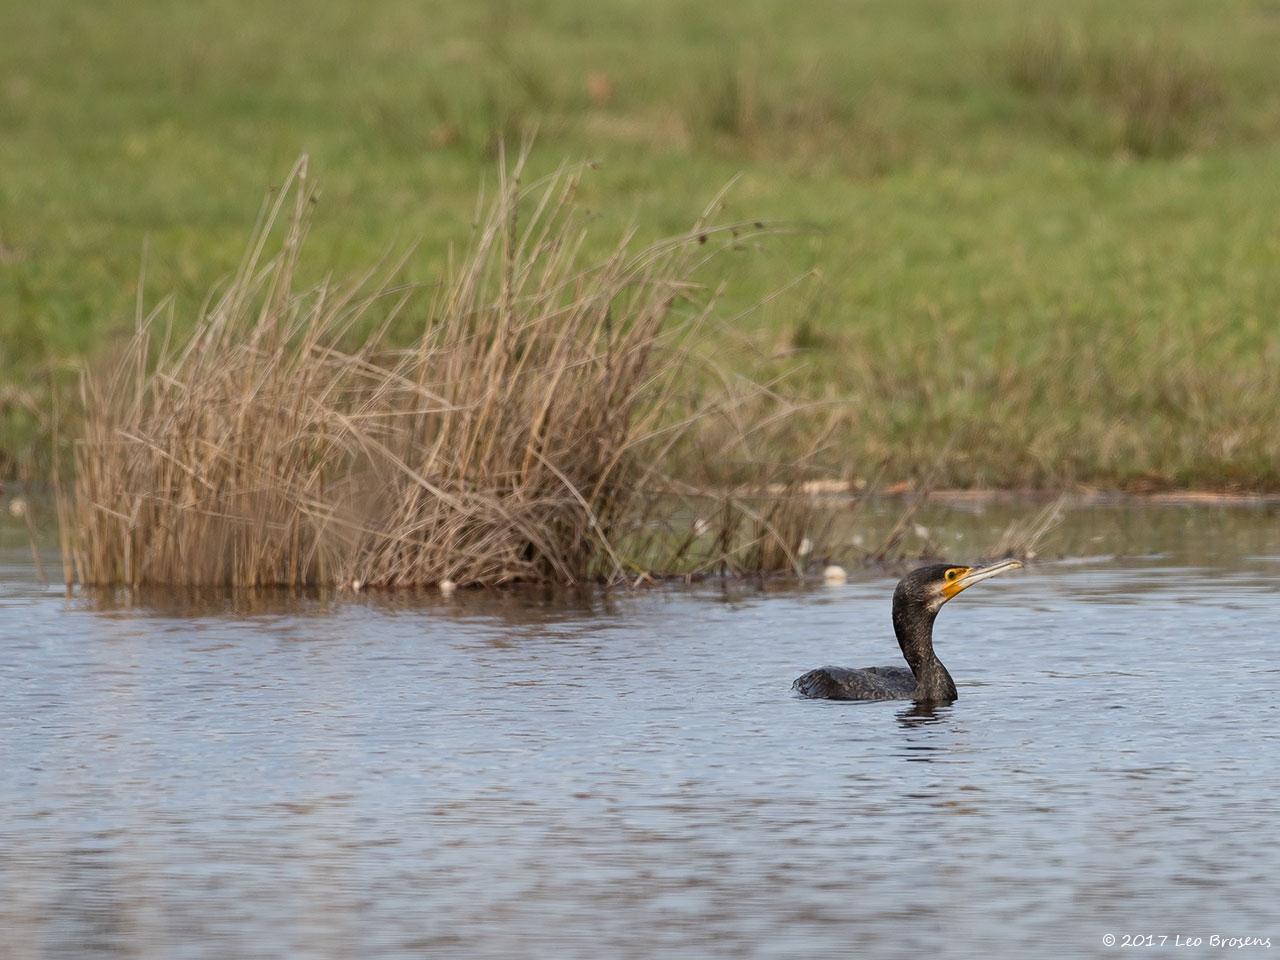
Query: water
x=529, y=775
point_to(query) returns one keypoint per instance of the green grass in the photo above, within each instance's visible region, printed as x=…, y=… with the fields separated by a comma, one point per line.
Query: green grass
x=1044, y=236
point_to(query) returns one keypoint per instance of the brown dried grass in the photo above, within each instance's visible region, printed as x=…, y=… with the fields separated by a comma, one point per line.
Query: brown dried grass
x=522, y=435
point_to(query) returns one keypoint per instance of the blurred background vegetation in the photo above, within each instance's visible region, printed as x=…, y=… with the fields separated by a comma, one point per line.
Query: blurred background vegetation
x=1040, y=239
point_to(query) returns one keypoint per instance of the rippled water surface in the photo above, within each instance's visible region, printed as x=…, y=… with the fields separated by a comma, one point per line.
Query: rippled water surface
x=528, y=775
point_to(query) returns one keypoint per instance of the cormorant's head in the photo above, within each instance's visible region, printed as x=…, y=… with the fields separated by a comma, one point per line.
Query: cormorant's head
x=932, y=586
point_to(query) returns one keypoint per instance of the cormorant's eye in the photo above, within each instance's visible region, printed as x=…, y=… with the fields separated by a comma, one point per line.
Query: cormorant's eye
x=951, y=574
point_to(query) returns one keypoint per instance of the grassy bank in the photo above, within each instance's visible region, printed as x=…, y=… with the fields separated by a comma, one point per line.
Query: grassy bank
x=1041, y=238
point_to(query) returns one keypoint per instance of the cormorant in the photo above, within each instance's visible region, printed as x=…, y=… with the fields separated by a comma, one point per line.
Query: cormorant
x=916, y=602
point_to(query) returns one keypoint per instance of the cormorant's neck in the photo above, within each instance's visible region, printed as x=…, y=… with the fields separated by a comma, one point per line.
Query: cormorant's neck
x=913, y=625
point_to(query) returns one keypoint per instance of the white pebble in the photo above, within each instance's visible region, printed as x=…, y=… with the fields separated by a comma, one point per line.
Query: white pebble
x=806, y=547
x=356, y=585
x=922, y=531
x=447, y=587
x=700, y=527
x=17, y=507
x=834, y=575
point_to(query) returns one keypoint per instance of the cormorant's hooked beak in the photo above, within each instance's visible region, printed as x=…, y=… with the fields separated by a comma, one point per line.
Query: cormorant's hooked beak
x=976, y=575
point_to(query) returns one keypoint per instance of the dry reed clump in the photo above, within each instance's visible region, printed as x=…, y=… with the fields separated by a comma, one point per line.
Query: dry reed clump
x=519, y=437
x=1147, y=96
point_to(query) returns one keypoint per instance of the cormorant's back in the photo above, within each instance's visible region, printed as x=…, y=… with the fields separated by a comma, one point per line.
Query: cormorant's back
x=870, y=683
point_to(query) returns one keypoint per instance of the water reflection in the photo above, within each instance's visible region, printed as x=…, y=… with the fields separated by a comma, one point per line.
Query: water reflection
x=923, y=712
x=520, y=603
